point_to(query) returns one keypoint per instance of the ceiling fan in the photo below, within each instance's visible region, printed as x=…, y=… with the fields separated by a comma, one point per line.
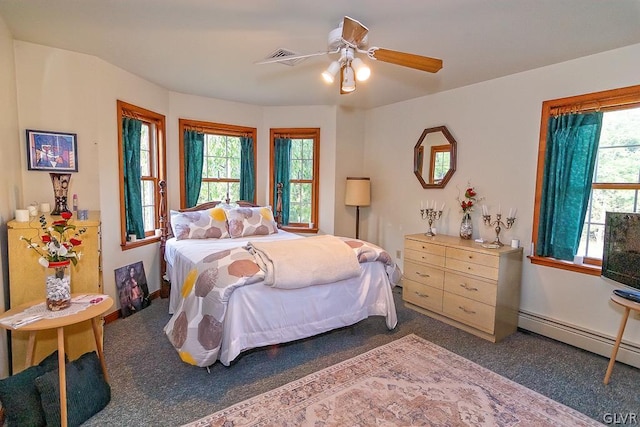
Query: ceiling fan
x=348, y=39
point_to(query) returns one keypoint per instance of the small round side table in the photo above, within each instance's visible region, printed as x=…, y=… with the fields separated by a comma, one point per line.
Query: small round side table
x=93, y=313
x=628, y=306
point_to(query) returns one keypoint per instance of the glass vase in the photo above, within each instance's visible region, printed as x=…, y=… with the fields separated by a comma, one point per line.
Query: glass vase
x=58, y=278
x=466, y=226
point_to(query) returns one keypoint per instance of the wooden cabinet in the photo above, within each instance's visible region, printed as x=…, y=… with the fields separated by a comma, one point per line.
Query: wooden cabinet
x=463, y=284
x=27, y=283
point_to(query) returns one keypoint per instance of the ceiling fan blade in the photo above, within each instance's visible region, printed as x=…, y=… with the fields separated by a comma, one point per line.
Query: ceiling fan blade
x=424, y=63
x=353, y=32
x=294, y=57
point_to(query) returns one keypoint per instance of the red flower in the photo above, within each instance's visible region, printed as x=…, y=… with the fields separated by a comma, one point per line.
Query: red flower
x=469, y=200
x=61, y=222
x=75, y=242
x=66, y=215
x=46, y=238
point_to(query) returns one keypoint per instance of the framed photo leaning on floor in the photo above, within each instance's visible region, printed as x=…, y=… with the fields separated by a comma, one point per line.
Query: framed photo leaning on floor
x=133, y=292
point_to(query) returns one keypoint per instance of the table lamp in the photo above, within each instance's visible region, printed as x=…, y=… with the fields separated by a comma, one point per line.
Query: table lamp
x=358, y=194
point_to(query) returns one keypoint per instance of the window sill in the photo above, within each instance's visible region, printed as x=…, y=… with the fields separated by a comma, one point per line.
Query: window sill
x=300, y=229
x=140, y=242
x=593, y=270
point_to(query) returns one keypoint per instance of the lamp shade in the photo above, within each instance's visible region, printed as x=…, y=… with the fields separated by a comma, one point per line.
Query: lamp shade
x=348, y=79
x=362, y=71
x=330, y=73
x=358, y=192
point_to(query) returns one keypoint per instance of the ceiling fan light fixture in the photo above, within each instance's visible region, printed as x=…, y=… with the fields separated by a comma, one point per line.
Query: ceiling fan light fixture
x=348, y=80
x=361, y=69
x=330, y=73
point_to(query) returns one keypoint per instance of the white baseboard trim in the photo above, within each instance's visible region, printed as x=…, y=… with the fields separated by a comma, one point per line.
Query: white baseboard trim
x=577, y=336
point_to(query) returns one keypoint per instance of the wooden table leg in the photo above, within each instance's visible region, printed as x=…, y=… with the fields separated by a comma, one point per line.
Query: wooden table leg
x=97, y=333
x=63, y=378
x=614, y=353
x=30, y=347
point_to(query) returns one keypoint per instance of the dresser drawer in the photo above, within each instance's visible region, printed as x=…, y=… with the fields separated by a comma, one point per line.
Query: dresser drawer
x=471, y=268
x=473, y=257
x=422, y=295
x=419, y=256
x=424, y=247
x=473, y=313
x=474, y=289
x=425, y=274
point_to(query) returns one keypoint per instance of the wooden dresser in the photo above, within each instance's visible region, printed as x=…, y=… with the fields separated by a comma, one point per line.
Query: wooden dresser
x=463, y=284
x=27, y=283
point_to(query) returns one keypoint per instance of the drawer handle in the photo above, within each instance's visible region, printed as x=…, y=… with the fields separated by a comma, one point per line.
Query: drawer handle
x=464, y=285
x=421, y=295
x=466, y=310
x=422, y=274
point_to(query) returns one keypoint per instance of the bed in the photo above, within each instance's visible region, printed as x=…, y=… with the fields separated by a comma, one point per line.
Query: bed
x=225, y=320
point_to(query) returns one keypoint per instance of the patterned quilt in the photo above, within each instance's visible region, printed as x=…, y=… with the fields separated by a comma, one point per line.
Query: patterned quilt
x=195, y=329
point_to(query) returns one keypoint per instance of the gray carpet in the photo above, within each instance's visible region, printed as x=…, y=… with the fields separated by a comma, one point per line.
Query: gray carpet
x=152, y=387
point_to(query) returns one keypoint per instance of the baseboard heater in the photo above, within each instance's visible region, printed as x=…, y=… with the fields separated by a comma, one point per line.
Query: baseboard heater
x=577, y=336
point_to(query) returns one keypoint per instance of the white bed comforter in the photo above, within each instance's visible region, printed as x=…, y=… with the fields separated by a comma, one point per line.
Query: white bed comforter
x=298, y=263
x=197, y=329
x=182, y=256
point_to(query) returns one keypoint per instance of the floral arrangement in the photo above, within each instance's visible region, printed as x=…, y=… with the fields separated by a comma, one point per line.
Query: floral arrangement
x=59, y=241
x=469, y=200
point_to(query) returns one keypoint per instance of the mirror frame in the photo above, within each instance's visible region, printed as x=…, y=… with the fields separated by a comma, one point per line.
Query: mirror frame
x=418, y=157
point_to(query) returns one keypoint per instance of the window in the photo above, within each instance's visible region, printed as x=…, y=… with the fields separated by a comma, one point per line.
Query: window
x=440, y=162
x=295, y=164
x=223, y=162
x=615, y=181
x=141, y=146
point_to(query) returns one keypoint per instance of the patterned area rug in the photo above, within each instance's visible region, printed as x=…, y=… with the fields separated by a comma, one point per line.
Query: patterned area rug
x=408, y=382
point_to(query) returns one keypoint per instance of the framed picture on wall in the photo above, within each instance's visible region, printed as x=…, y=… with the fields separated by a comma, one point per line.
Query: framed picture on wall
x=52, y=151
x=133, y=291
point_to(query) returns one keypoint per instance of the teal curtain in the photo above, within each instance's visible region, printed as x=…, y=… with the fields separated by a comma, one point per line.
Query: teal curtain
x=247, y=170
x=193, y=159
x=132, y=179
x=282, y=173
x=570, y=156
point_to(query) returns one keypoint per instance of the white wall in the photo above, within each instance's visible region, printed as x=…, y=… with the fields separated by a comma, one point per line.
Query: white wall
x=10, y=182
x=216, y=111
x=60, y=90
x=349, y=162
x=323, y=117
x=496, y=125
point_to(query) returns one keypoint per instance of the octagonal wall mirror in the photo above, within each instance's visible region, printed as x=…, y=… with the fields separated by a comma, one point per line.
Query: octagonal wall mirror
x=434, y=157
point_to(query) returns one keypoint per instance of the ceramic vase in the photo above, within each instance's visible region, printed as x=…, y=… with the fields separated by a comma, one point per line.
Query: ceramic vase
x=60, y=183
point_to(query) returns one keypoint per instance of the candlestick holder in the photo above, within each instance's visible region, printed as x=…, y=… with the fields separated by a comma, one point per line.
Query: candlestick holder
x=430, y=215
x=498, y=225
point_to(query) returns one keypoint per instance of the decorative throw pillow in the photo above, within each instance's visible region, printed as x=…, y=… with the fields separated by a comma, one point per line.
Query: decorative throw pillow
x=206, y=224
x=87, y=391
x=172, y=214
x=20, y=397
x=251, y=222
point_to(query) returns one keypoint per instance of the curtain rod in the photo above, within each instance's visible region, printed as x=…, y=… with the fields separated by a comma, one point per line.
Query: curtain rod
x=604, y=104
x=204, y=129
x=130, y=114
